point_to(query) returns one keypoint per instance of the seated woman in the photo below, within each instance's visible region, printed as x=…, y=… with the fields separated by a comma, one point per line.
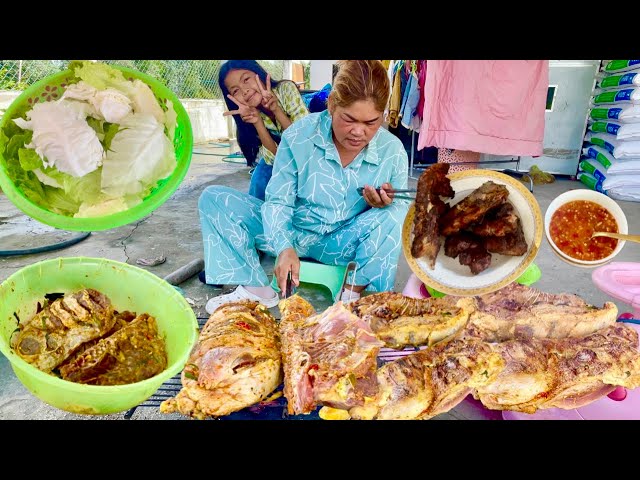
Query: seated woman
x=313, y=208
x=262, y=109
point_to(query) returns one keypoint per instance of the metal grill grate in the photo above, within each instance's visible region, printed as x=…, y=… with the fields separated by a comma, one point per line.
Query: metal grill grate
x=171, y=387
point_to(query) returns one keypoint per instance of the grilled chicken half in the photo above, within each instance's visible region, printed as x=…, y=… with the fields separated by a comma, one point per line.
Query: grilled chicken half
x=234, y=364
x=517, y=311
x=430, y=382
x=563, y=373
x=329, y=358
x=400, y=321
x=61, y=327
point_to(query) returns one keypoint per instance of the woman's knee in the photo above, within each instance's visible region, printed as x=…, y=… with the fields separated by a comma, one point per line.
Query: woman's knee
x=389, y=222
x=213, y=196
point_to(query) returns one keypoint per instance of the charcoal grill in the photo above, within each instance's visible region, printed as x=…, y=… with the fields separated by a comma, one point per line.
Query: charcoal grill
x=273, y=410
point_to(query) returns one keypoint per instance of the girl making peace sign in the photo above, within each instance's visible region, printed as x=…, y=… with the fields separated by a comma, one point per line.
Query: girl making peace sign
x=262, y=109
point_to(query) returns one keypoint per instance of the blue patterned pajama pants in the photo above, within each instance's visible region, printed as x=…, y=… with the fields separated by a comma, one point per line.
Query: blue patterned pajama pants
x=232, y=232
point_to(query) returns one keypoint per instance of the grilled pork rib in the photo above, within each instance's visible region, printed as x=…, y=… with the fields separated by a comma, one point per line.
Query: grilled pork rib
x=429, y=207
x=234, y=364
x=427, y=383
x=472, y=208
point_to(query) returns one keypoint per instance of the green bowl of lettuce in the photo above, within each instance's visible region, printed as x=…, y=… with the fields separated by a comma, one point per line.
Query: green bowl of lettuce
x=93, y=147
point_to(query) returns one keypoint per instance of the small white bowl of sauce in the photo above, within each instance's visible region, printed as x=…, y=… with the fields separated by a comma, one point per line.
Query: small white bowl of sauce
x=572, y=218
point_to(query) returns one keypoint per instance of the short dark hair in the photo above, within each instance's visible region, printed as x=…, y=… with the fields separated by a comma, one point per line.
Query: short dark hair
x=245, y=132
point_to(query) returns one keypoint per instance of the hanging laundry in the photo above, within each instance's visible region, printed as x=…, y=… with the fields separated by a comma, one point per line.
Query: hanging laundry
x=410, y=103
x=488, y=106
x=422, y=78
x=396, y=97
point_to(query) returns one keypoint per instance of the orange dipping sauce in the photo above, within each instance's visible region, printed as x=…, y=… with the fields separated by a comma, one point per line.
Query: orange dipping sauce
x=573, y=224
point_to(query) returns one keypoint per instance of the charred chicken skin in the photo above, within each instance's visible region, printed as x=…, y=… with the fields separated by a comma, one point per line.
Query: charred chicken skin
x=234, y=364
x=400, y=321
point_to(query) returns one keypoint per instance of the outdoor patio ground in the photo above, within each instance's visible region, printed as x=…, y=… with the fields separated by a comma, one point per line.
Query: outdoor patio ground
x=173, y=230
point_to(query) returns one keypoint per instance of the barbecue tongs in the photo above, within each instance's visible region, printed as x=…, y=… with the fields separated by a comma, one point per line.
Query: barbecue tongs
x=395, y=191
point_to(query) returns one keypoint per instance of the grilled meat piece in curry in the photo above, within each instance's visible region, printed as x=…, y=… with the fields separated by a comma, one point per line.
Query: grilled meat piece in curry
x=122, y=319
x=400, y=321
x=133, y=353
x=234, y=364
x=57, y=331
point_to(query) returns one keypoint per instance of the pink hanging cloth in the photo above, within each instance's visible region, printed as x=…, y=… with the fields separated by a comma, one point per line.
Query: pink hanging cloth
x=488, y=106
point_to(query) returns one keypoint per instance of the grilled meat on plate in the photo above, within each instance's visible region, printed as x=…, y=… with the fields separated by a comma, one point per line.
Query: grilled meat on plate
x=429, y=207
x=234, y=364
x=57, y=331
x=498, y=222
x=472, y=208
x=513, y=244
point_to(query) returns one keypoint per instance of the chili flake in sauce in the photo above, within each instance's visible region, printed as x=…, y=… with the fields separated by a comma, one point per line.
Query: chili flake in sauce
x=573, y=224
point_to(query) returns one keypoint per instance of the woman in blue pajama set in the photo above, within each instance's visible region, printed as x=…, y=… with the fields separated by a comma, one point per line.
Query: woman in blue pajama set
x=312, y=206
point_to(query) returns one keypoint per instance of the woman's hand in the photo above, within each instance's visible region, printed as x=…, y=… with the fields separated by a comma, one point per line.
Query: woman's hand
x=269, y=100
x=247, y=114
x=288, y=261
x=375, y=199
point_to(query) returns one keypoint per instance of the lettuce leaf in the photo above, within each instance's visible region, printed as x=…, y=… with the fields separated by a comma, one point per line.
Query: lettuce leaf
x=139, y=156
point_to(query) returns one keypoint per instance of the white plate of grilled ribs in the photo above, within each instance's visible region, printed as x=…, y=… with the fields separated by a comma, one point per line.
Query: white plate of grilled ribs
x=471, y=232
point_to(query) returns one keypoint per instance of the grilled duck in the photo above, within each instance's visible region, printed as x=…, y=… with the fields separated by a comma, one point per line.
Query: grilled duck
x=61, y=327
x=400, y=321
x=234, y=364
x=133, y=353
x=517, y=311
x=328, y=358
x=566, y=373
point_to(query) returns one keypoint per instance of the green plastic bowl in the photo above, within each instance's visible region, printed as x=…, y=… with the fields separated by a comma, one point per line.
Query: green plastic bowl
x=128, y=288
x=51, y=88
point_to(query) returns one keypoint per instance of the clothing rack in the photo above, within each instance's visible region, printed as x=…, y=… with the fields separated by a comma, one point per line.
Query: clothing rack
x=412, y=167
x=412, y=65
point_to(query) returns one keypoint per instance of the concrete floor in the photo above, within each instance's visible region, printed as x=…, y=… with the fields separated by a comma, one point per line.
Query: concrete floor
x=173, y=230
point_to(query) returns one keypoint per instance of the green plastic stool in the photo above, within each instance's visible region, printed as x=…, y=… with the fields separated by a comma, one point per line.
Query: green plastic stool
x=530, y=276
x=330, y=276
